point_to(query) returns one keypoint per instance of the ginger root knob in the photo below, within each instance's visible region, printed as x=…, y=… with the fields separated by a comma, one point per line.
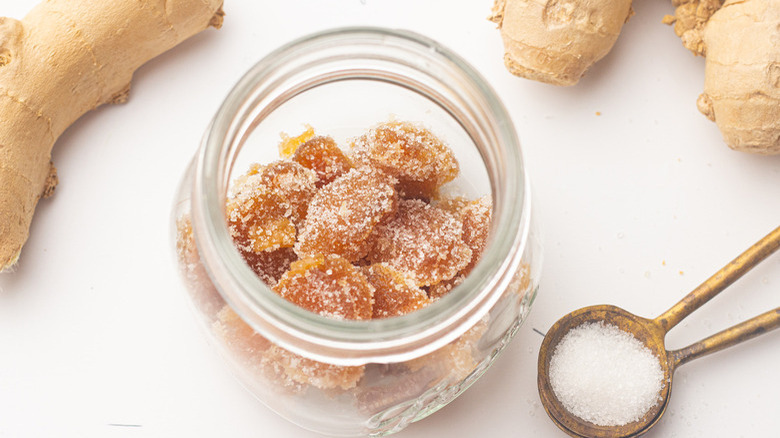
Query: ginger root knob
x=742, y=74
x=63, y=59
x=556, y=41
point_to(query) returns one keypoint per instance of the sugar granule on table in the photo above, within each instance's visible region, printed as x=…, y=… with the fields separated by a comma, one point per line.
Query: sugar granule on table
x=604, y=375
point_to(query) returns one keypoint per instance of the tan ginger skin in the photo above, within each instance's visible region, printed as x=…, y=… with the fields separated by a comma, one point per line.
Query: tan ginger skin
x=689, y=19
x=742, y=68
x=742, y=74
x=63, y=59
x=556, y=41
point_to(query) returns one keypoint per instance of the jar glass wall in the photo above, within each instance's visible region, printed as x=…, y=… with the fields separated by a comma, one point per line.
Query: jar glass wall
x=342, y=377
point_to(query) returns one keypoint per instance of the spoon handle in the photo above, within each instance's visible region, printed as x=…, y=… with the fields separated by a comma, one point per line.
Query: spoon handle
x=731, y=336
x=722, y=279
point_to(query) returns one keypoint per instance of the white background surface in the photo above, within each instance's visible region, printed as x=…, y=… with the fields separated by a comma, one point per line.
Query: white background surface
x=637, y=206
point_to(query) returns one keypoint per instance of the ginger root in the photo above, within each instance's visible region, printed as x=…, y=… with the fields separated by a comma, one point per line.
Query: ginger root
x=689, y=19
x=742, y=75
x=63, y=59
x=741, y=42
x=556, y=41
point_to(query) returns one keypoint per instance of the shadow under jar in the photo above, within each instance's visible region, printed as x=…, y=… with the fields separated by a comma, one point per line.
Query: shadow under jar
x=343, y=377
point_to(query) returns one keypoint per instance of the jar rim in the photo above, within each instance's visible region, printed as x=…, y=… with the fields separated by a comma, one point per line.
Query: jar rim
x=349, y=342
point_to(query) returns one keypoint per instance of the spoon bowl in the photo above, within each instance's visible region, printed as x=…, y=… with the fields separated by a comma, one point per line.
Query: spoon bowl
x=651, y=333
x=646, y=331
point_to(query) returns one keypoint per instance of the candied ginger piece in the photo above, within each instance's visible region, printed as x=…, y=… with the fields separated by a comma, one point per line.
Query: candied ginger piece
x=424, y=242
x=238, y=335
x=238, y=183
x=442, y=288
x=395, y=294
x=278, y=365
x=476, y=217
x=191, y=268
x=293, y=186
x=288, y=145
x=410, y=153
x=268, y=205
x=323, y=156
x=328, y=285
x=453, y=205
x=343, y=214
x=270, y=265
x=311, y=372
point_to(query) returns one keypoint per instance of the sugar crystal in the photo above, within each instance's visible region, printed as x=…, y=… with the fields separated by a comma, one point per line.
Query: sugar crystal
x=604, y=375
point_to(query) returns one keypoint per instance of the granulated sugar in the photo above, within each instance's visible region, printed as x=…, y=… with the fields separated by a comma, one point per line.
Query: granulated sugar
x=604, y=375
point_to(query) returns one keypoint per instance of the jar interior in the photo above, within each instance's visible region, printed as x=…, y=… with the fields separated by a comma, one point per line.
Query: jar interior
x=346, y=109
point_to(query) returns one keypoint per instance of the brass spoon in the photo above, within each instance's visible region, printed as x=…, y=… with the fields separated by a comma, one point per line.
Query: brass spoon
x=652, y=332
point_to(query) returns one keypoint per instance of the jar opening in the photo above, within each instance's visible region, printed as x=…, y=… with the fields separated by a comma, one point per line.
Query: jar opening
x=399, y=59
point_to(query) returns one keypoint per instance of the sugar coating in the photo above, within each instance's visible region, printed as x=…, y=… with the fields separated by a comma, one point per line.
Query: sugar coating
x=343, y=214
x=410, y=153
x=604, y=375
x=268, y=204
x=328, y=285
x=323, y=156
x=453, y=205
x=422, y=241
x=442, y=288
x=476, y=216
x=292, y=186
x=395, y=293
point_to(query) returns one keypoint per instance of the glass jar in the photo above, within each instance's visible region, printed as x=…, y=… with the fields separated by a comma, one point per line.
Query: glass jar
x=341, y=377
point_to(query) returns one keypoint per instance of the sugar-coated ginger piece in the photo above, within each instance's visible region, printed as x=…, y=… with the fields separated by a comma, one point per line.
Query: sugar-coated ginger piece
x=270, y=265
x=239, y=336
x=269, y=204
x=410, y=153
x=192, y=271
x=323, y=156
x=556, y=41
x=278, y=366
x=343, y=214
x=293, y=185
x=476, y=217
x=395, y=294
x=329, y=286
x=424, y=242
x=442, y=288
x=307, y=371
x=289, y=145
x=453, y=205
